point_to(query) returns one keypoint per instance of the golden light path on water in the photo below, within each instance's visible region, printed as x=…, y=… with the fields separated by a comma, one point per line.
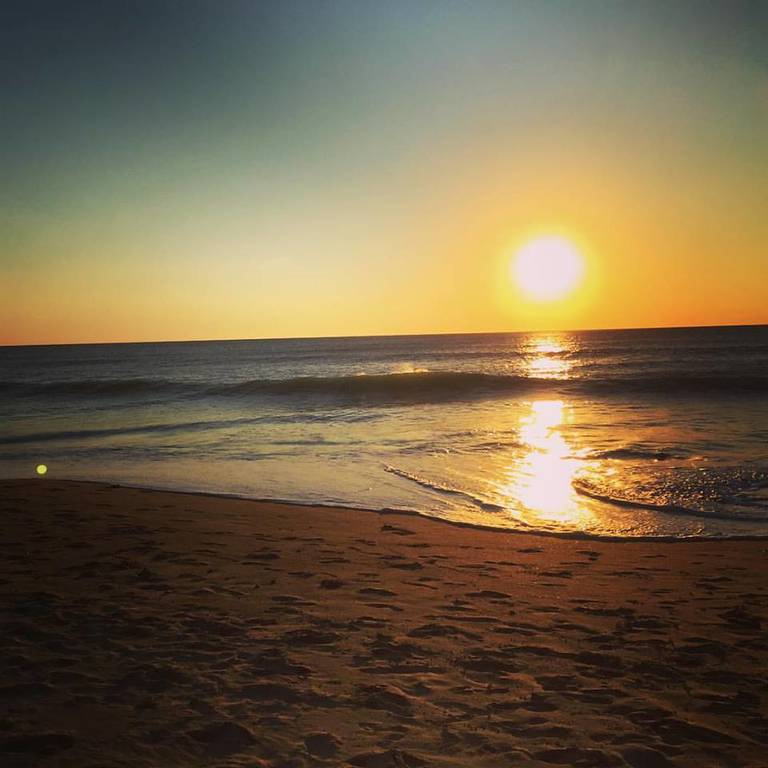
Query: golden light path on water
x=548, y=358
x=539, y=486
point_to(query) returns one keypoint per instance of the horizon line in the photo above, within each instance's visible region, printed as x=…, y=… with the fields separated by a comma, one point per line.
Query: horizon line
x=388, y=335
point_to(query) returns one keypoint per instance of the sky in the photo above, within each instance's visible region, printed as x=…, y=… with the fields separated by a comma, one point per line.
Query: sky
x=179, y=169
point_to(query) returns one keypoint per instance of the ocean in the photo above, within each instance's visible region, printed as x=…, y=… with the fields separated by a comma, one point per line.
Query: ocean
x=652, y=433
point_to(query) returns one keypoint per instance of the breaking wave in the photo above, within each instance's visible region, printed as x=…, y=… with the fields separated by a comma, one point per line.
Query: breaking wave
x=444, y=489
x=418, y=385
x=631, y=453
x=720, y=495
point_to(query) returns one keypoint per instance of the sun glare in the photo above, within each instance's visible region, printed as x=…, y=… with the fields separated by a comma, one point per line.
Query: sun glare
x=543, y=481
x=547, y=268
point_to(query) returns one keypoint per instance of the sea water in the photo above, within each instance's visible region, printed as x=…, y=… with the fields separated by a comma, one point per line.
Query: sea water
x=600, y=433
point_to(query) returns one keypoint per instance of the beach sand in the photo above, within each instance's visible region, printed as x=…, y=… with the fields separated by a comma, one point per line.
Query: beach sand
x=147, y=628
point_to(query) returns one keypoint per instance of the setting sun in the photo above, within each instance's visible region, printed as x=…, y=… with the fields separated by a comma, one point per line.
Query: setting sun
x=547, y=268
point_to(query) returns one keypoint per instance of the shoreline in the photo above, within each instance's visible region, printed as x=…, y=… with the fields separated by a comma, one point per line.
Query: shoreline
x=410, y=513
x=143, y=627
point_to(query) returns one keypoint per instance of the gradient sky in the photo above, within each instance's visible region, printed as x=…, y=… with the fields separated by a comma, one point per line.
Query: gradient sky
x=232, y=169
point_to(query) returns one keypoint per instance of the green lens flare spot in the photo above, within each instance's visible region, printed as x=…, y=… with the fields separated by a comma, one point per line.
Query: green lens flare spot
x=41, y=469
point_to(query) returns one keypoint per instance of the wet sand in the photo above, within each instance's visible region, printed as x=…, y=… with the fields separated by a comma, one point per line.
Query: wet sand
x=145, y=628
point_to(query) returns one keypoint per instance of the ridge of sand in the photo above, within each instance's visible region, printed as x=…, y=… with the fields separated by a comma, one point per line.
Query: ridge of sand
x=144, y=628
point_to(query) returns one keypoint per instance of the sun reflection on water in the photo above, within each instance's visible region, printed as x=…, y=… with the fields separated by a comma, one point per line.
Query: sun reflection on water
x=541, y=482
x=548, y=358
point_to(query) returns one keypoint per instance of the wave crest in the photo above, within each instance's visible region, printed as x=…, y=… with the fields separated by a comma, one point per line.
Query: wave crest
x=418, y=385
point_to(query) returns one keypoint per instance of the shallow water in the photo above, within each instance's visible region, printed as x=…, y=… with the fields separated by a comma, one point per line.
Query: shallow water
x=618, y=433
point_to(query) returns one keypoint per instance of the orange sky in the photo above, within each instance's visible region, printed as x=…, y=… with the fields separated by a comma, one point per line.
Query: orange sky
x=238, y=181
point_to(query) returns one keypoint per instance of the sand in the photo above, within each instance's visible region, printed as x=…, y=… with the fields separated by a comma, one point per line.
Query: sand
x=146, y=628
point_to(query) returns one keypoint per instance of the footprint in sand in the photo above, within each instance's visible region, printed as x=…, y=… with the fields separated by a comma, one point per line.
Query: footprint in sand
x=323, y=745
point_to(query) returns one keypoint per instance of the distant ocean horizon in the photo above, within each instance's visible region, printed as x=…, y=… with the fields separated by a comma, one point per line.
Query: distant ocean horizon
x=426, y=334
x=622, y=433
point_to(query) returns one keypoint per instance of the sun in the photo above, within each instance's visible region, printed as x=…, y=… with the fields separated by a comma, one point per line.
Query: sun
x=547, y=268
